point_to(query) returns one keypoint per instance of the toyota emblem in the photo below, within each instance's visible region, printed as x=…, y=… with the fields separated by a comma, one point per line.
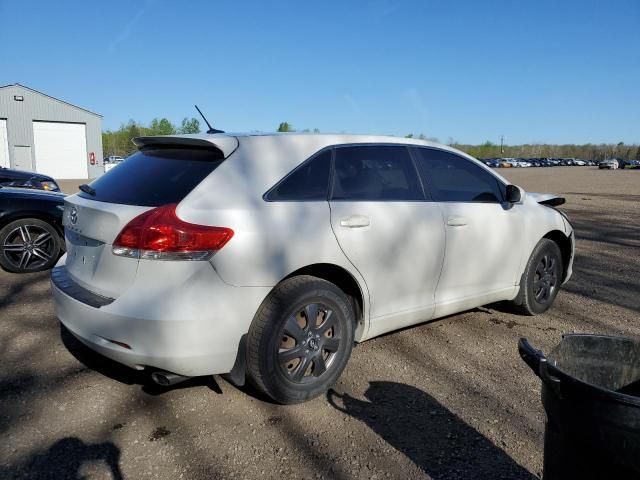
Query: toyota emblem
x=73, y=215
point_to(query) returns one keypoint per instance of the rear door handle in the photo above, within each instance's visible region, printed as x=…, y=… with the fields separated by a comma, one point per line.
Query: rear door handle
x=457, y=221
x=355, y=221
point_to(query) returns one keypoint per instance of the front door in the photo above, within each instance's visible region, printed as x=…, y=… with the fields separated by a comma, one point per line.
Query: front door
x=484, y=234
x=388, y=231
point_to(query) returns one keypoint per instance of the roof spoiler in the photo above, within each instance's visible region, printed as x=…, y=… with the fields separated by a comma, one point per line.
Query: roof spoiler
x=224, y=143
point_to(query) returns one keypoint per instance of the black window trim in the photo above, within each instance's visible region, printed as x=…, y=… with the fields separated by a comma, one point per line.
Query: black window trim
x=423, y=174
x=422, y=189
x=265, y=196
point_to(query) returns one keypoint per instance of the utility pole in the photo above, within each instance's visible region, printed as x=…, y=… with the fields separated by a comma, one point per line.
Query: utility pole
x=502, y=144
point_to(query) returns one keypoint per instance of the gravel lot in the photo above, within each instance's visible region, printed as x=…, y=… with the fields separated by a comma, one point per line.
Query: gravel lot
x=447, y=399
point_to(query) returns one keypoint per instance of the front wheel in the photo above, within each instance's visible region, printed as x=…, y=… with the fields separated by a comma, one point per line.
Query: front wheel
x=300, y=340
x=541, y=279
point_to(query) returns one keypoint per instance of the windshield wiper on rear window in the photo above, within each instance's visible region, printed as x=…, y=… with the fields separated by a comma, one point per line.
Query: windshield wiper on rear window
x=87, y=189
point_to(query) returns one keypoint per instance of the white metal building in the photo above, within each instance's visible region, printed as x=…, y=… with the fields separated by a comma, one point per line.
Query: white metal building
x=43, y=134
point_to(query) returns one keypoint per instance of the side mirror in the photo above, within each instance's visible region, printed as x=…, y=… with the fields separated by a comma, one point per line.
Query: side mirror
x=513, y=194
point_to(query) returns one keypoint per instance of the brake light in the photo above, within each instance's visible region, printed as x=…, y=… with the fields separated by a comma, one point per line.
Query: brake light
x=159, y=234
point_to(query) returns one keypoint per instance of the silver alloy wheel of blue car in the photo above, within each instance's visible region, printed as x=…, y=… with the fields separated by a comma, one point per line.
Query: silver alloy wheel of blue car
x=29, y=246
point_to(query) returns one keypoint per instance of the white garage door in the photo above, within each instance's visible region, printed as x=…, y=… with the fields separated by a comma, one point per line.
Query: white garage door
x=61, y=149
x=4, y=145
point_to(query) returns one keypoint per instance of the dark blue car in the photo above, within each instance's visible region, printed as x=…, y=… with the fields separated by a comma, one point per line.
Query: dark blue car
x=31, y=233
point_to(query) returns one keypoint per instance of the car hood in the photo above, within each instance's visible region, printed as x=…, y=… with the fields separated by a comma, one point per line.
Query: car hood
x=17, y=192
x=21, y=174
x=547, y=198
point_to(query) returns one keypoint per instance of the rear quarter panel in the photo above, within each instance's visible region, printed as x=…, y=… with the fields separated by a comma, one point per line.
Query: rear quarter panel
x=271, y=239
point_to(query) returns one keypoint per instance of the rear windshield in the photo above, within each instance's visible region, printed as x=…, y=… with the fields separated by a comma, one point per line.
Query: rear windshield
x=155, y=176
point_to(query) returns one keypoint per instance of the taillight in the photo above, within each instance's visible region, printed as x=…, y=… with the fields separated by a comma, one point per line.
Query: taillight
x=159, y=234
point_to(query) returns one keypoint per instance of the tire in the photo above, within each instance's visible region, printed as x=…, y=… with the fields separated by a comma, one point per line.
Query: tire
x=541, y=279
x=29, y=245
x=291, y=359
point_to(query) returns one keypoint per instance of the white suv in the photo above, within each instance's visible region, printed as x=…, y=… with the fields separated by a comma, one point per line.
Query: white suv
x=267, y=256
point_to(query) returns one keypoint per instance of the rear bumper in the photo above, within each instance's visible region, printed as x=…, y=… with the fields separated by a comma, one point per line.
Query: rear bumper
x=177, y=316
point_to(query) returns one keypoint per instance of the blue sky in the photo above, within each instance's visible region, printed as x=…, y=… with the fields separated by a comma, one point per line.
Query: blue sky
x=533, y=71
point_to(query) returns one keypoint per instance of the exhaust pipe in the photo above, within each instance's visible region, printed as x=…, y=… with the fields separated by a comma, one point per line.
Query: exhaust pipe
x=167, y=379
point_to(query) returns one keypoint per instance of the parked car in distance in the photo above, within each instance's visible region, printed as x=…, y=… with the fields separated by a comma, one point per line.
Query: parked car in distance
x=520, y=163
x=31, y=234
x=633, y=164
x=622, y=164
x=611, y=164
x=111, y=161
x=491, y=162
x=580, y=163
x=266, y=256
x=19, y=178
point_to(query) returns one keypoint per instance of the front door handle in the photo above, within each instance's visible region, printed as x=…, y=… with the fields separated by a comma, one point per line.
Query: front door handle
x=457, y=221
x=355, y=221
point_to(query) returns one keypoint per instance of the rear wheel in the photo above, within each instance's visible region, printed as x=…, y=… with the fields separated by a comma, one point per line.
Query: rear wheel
x=541, y=279
x=29, y=245
x=300, y=340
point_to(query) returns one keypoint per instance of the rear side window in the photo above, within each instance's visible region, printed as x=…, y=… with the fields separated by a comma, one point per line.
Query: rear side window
x=452, y=178
x=375, y=173
x=308, y=182
x=155, y=176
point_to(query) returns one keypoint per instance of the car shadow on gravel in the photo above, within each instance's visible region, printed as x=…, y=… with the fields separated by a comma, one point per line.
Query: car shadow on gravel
x=65, y=459
x=124, y=374
x=435, y=439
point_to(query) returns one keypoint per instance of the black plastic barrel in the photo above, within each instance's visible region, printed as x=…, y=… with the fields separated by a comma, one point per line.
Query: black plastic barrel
x=591, y=395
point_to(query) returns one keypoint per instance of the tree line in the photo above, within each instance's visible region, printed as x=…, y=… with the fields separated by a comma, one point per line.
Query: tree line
x=118, y=142
x=587, y=151
x=488, y=149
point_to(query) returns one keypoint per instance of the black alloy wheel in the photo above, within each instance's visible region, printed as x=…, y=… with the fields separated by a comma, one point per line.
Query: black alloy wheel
x=310, y=339
x=541, y=280
x=300, y=339
x=546, y=279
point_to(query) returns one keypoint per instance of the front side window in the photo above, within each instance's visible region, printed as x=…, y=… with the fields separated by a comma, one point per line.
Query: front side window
x=309, y=182
x=375, y=173
x=452, y=178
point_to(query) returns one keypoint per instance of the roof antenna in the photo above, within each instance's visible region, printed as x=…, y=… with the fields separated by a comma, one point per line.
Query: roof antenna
x=211, y=129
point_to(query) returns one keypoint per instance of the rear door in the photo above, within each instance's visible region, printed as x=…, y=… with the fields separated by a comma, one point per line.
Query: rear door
x=153, y=177
x=483, y=234
x=388, y=231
